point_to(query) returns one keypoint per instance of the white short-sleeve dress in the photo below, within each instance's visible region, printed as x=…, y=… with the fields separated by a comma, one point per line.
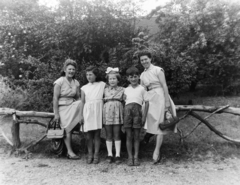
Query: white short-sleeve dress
x=93, y=107
x=150, y=80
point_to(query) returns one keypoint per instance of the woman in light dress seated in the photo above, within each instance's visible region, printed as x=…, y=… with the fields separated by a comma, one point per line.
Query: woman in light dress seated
x=66, y=103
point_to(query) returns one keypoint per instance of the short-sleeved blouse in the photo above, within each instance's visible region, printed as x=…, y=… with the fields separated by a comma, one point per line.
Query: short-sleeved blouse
x=68, y=90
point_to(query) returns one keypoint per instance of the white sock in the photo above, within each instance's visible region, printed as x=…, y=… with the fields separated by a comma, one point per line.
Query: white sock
x=118, y=148
x=109, y=148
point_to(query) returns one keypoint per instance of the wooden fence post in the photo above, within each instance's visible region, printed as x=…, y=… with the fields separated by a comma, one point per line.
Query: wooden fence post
x=15, y=132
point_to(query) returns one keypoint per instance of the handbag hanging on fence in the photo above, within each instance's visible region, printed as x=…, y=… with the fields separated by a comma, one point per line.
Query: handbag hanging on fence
x=54, y=130
x=169, y=121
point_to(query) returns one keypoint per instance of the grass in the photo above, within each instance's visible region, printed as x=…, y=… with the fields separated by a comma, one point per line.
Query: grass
x=200, y=145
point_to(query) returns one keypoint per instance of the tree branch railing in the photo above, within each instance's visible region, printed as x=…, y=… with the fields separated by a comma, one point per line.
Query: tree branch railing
x=189, y=109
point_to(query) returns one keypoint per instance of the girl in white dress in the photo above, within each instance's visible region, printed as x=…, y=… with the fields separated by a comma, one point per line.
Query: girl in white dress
x=92, y=98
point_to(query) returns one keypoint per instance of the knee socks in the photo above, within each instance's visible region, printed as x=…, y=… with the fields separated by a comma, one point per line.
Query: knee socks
x=109, y=148
x=118, y=148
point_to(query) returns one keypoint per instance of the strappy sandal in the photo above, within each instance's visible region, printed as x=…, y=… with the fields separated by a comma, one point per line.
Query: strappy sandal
x=136, y=162
x=96, y=160
x=130, y=162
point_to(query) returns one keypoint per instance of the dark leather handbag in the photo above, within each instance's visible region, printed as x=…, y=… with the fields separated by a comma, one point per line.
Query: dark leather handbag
x=169, y=122
x=54, y=130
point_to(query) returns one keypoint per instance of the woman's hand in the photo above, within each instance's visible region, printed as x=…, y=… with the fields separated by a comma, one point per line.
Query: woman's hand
x=81, y=121
x=56, y=118
x=167, y=105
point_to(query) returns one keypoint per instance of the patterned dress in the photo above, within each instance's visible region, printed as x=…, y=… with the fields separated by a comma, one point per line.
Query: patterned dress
x=69, y=109
x=113, y=107
x=93, y=107
x=150, y=80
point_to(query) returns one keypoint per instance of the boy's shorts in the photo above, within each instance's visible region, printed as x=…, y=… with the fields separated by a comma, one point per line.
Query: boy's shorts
x=132, y=116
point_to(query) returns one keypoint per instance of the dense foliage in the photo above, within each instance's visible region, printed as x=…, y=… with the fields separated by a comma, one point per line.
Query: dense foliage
x=35, y=41
x=198, y=42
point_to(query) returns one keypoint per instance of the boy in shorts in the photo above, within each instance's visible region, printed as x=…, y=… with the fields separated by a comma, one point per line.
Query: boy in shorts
x=134, y=98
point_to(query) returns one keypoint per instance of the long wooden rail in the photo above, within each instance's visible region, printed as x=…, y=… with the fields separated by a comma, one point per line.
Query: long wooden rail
x=16, y=115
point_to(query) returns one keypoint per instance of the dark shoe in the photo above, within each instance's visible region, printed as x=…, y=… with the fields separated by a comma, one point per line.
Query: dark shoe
x=95, y=160
x=118, y=160
x=89, y=159
x=109, y=159
x=136, y=162
x=130, y=162
x=75, y=157
x=158, y=160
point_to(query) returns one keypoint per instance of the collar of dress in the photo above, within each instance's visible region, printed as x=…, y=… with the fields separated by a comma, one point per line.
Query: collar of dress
x=150, y=67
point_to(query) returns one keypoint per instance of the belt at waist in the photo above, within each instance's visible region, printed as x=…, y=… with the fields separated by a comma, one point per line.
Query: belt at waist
x=113, y=99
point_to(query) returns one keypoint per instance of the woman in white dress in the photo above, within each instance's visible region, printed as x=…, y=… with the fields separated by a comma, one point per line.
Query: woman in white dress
x=66, y=104
x=153, y=79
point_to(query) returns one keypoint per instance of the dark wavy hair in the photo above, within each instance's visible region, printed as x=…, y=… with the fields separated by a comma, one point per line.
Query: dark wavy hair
x=132, y=71
x=95, y=71
x=144, y=53
x=67, y=63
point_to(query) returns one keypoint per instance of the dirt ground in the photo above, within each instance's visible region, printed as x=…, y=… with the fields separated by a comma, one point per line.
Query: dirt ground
x=54, y=171
x=205, y=159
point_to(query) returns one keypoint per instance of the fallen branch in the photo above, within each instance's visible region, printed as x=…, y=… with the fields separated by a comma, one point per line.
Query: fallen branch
x=203, y=108
x=214, y=129
x=218, y=110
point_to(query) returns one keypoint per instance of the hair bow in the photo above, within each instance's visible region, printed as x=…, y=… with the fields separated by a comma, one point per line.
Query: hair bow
x=110, y=69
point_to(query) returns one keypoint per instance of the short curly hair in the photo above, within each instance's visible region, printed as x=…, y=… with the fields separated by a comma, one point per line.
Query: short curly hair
x=67, y=63
x=132, y=71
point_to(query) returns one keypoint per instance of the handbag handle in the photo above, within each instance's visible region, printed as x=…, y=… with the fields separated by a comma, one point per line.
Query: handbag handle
x=55, y=125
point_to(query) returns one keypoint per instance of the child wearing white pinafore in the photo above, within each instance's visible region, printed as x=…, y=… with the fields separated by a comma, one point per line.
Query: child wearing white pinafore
x=92, y=98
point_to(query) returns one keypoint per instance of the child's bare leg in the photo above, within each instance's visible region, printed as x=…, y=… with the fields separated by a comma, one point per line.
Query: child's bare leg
x=129, y=142
x=97, y=142
x=90, y=145
x=136, y=142
x=109, y=138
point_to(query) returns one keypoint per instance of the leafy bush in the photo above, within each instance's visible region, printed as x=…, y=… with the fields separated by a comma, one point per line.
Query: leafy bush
x=10, y=95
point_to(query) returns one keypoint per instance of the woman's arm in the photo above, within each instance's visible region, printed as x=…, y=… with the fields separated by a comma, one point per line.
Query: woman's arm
x=56, y=94
x=83, y=103
x=162, y=80
x=77, y=96
x=145, y=111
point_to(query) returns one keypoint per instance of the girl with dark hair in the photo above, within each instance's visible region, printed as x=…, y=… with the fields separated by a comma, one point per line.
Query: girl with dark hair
x=66, y=103
x=92, y=98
